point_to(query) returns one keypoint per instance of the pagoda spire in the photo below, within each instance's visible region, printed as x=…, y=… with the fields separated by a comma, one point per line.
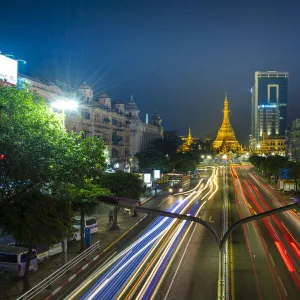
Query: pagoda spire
x=226, y=133
x=189, y=137
x=187, y=145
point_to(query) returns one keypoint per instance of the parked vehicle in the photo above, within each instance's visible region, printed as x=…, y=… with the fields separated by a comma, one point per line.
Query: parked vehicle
x=13, y=261
x=43, y=251
x=75, y=236
x=89, y=222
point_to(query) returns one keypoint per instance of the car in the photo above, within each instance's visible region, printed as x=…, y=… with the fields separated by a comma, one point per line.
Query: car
x=89, y=222
x=13, y=261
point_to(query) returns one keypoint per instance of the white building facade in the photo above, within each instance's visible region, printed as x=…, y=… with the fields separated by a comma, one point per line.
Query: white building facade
x=119, y=125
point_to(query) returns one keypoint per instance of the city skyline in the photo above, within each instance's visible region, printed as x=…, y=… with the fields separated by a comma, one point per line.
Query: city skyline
x=179, y=59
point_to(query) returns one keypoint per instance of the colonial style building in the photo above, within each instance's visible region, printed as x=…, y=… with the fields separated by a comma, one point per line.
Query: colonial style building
x=272, y=145
x=226, y=140
x=142, y=134
x=97, y=117
x=119, y=125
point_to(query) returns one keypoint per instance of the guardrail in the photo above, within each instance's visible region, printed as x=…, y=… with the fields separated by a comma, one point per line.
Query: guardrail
x=59, y=273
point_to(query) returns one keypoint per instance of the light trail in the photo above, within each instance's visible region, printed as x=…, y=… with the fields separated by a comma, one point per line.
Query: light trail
x=122, y=270
x=279, y=245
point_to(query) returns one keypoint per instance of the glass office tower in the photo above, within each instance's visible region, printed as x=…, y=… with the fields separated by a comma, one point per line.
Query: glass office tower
x=270, y=88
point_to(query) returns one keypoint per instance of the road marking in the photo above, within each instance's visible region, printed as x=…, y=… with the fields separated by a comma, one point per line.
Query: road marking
x=177, y=269
x=282, y=286
x=163, y=202
x=272, y=260
x=210, y=220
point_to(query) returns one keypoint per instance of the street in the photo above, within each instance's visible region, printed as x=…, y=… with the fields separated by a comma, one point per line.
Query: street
x=265, y=253
x=150, y=261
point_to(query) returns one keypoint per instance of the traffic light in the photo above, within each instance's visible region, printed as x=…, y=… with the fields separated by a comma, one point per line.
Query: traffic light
x=2, y=156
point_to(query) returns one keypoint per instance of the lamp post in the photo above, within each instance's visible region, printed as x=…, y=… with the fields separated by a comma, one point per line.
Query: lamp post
x=65, y=105
x=258, y=146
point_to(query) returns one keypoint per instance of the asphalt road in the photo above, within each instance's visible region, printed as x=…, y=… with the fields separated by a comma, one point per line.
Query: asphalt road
x=265, y=263
x=193, y=244
x=194, y=271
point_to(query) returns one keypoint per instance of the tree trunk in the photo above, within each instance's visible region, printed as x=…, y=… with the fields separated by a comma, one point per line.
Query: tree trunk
x=134, y=213
x=82, y=228
x=114, y=225
x=26, y=285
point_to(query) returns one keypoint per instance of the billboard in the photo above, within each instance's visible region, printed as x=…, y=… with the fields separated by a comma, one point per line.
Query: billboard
x=156, y=174
x=8, y=69
x=147, y=178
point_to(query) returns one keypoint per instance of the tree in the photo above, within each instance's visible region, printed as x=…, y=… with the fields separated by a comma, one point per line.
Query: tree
x=153, y=159
x=122, y=184
x=41, y=162
x=84, y=198
x=294, y=172
x=35, y=218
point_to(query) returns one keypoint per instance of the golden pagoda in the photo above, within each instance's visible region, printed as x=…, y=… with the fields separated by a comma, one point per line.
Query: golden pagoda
x=226, y=140
x=186, y=146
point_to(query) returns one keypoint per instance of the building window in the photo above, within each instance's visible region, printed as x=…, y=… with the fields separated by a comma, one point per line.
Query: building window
x=86, y=115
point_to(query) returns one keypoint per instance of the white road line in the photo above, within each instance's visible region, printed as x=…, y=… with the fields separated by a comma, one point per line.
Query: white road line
x=173, y=279
x=285, y=292
x=163, y=202
x=272, y=260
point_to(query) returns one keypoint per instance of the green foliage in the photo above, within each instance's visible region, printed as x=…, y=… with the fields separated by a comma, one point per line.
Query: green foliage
x=43, y=170
x=37, y=148
x=269, y=165
x=36, y=218
x=122, y=184
x=184, y=162
x=153, y=159
x=163, y=156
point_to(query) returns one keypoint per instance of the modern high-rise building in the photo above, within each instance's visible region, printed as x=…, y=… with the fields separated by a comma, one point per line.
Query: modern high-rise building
x=268, y=119
x=270, y=91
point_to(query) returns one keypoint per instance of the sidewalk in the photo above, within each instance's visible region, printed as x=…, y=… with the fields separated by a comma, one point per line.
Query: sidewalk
x=13, y=289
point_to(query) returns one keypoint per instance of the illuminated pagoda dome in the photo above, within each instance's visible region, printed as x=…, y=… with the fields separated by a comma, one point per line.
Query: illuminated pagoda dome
x=187, y=145
x=226, y=140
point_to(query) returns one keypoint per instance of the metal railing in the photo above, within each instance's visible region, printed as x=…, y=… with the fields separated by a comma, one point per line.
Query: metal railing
x=59, y=273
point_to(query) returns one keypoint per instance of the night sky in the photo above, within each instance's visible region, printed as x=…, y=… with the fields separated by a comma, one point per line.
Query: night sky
x=178, y=57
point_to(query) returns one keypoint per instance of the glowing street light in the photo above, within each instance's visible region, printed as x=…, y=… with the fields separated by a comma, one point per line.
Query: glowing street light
x=224, y=157
x=65, y=105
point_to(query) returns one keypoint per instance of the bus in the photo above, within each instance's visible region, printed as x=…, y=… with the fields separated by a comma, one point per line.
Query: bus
x=179, y=183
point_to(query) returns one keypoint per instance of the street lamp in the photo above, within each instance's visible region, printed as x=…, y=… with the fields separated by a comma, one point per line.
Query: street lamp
x=65, y=105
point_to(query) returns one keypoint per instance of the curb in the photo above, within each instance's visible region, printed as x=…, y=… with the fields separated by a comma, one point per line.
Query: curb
x=151, y=197
x=72, y=277
x=92, y=260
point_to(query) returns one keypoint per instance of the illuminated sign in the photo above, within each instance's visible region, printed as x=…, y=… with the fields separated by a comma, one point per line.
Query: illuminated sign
x=268, y=106
x=147, y=178
x=156, y=174
x=8, y=69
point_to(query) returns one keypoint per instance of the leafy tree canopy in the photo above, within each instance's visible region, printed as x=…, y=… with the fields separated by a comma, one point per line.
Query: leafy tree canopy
x=123, y=184
x=39, y=155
